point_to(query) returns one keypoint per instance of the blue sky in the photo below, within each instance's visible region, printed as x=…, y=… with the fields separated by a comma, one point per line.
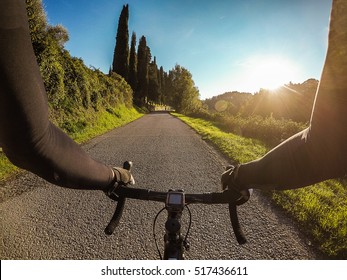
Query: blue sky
x=227, y=45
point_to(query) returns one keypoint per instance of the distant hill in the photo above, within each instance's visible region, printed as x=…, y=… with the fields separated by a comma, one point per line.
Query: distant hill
x=291, y=101
x=228, y=102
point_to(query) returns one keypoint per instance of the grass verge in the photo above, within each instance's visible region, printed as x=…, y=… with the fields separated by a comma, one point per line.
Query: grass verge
x=104, y=121
x=98, y=123
x=321, y=209
x=237, y=148
x=6, y=167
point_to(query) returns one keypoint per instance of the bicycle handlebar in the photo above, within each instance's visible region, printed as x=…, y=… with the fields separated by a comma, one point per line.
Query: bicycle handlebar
x=224, y=197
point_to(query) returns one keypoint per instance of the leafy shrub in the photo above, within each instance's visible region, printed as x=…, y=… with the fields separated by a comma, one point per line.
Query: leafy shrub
x=269, y=130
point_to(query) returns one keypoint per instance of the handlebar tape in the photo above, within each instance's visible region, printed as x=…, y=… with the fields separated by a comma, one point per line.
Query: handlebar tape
x=116, y=217
x=240, y=237
x=120, y=207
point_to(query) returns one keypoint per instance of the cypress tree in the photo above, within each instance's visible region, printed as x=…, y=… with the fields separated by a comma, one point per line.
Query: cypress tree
x=142, y=72
x=133, y=63
x=121, y=52
x=161, y=85
x=153, y=83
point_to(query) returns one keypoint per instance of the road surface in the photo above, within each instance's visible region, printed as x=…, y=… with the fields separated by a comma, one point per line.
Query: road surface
x=49, y=222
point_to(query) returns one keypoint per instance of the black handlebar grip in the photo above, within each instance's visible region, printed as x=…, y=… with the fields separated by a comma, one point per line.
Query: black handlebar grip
x=120, y=207
x=240, y=237
x=116, y=217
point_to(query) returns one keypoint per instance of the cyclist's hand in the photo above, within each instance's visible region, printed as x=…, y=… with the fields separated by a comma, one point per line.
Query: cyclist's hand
x=229, y=182
x=121, y=177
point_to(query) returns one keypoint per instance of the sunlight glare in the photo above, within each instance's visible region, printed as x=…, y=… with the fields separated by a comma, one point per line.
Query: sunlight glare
x=270, y=72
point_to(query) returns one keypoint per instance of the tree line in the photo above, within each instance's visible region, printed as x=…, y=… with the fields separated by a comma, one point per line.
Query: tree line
x=150, y=83
x=268, y=115
x=291, y=102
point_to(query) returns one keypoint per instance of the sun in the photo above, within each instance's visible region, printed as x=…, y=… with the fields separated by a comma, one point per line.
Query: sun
x=269, y=72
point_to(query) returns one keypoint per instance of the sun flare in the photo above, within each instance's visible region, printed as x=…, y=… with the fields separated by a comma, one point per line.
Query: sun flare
x=270, y=72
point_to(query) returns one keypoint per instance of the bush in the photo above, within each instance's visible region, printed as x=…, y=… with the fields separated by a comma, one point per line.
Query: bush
x=269, y=130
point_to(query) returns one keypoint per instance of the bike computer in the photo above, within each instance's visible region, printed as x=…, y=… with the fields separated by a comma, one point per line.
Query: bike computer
x=175, y=200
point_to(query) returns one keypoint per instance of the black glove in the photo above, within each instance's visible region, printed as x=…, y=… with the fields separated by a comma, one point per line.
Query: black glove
x=229, y=182
x=121, y=177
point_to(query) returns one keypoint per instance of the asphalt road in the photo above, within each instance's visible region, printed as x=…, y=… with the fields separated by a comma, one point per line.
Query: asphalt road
x=48, y=222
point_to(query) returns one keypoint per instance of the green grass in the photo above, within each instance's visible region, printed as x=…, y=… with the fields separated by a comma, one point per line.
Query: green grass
x=320, y=209
x=6, y=168
x=237, y=148
x=104, y=121
x=98, y=123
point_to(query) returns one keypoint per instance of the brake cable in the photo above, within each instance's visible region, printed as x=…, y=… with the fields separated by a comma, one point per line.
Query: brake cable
x=185, y=242
x=154, y=234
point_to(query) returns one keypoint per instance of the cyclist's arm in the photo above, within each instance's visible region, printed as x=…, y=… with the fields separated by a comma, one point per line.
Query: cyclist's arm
x=320, y=151
x=27, y=137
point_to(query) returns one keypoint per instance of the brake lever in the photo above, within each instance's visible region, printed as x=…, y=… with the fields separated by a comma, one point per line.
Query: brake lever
x=119, y=208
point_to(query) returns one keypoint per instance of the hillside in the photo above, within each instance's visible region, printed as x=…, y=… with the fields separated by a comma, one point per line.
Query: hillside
x=291, y=101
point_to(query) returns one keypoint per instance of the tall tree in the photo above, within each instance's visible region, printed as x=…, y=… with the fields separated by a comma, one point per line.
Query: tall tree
x=184, y=94
x=121, y=52
x=153, y=83
x=133, y=63
x=160, y=81
x=163, y=79
x=142, y=72
x=169, y=88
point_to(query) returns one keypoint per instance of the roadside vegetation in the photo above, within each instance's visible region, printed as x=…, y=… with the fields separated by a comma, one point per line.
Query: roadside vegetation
x=320, y=209
x=6, y=168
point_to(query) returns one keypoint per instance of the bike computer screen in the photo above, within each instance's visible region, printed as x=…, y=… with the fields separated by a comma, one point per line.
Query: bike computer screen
x=175, y=200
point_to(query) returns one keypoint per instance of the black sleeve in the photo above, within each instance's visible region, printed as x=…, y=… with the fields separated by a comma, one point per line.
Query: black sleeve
x=27, y=136
x=319, y=152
